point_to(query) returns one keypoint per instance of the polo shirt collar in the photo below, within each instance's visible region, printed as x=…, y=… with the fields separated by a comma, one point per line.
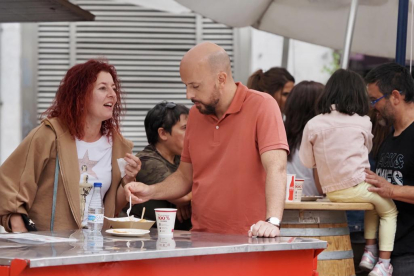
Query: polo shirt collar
x=238, y=99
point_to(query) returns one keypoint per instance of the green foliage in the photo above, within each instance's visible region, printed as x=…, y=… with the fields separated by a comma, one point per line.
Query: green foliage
x=335, y=64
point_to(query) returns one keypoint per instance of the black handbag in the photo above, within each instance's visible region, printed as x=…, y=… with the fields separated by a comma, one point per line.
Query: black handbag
x=28, y=223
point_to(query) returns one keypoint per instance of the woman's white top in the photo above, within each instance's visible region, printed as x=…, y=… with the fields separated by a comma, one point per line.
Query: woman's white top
x=295, y=166
x=95, y=165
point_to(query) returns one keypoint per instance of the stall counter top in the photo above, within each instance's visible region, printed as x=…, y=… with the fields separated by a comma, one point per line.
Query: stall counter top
x=328, y=205
x=85, y=247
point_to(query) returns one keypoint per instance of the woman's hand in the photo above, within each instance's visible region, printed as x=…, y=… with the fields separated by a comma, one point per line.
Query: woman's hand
x=17, y=224
x=132, y=168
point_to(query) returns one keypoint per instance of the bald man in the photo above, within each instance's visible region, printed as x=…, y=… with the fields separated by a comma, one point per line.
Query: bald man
x=235, y=152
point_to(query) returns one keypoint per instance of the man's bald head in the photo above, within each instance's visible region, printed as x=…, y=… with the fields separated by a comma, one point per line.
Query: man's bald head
x=209, y=55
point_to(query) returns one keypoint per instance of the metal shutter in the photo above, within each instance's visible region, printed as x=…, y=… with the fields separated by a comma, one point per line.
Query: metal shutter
x=145, y=46
x=53, y=61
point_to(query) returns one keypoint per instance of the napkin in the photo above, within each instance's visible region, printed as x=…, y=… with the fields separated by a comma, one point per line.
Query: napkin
x=121, y=164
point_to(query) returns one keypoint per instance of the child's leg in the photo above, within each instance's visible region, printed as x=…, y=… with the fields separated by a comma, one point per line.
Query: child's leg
x=371, y=221
x=384, y=208
x=370, y=256
x=388, y=224
x=387, y=211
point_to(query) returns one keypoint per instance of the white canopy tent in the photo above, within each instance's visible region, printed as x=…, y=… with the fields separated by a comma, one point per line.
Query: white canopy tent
x=321, y=22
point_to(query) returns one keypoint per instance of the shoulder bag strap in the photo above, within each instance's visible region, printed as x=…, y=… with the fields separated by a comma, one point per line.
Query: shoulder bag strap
x=55, y=186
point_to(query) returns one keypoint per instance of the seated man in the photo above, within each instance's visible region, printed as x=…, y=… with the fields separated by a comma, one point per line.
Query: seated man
x=165, y=126
x=391, y=90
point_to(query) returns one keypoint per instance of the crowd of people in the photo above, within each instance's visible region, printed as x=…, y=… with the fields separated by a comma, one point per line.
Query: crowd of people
x=223, y=163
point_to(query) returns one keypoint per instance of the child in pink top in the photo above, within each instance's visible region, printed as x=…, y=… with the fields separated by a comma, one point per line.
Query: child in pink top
x=337, y=143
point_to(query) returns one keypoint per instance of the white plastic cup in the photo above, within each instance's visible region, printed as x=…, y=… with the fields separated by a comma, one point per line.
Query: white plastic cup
x=165, y=242
x=297, y=193
x=290, y=187
x=165, y=221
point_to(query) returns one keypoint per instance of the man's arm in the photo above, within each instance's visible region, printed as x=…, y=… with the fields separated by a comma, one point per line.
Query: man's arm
x=185, y=200
x=274, y=163
x=403, y=193
x=388, y=190
x=175, y=186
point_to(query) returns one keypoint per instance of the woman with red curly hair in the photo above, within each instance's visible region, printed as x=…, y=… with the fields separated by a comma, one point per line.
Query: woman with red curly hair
x=47, y=180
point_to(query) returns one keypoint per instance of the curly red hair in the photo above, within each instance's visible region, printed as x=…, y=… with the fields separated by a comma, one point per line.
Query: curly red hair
x=74, y=95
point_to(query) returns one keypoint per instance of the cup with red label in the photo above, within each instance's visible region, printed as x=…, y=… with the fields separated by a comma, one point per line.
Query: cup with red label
x=297, y=193
x=165, y=221
x=290, y=187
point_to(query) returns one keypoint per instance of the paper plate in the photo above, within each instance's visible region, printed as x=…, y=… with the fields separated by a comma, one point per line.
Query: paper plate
x=128, y=232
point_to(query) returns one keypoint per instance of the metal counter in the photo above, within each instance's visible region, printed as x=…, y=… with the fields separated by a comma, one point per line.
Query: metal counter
x=86, y=248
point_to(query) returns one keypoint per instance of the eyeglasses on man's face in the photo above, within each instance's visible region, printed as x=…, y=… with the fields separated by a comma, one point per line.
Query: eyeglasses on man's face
x=383, y=96
x=377, y=100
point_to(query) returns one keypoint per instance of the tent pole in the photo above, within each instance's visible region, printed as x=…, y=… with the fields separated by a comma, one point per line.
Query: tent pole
x=402, y=32
x=285, y=52
x=349, y=34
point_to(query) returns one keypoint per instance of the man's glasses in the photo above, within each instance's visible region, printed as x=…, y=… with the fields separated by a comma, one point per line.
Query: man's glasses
x=377, y=100
x=169, y=105
x=160, y=117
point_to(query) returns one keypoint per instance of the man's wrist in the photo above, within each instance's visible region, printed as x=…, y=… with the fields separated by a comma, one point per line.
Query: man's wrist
x=392, y=192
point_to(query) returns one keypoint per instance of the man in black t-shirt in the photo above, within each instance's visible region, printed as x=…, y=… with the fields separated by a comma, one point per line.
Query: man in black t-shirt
x=391, y=90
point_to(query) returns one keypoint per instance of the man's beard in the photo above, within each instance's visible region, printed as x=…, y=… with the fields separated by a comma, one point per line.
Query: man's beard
x=210, y=108
x=387, y=116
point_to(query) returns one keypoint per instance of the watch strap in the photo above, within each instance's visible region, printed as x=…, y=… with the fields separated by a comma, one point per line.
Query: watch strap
x=269, y=219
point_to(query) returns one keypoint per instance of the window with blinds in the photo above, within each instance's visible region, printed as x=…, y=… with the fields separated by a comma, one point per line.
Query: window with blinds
x=145, y=46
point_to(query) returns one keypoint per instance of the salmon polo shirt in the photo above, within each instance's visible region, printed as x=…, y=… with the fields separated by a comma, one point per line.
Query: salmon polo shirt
x=228, y=175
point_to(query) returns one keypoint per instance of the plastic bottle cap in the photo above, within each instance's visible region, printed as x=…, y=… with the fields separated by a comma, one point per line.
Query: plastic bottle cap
x=97, y=184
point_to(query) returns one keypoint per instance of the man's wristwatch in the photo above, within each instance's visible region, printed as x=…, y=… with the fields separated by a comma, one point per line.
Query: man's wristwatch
x=274, y=220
